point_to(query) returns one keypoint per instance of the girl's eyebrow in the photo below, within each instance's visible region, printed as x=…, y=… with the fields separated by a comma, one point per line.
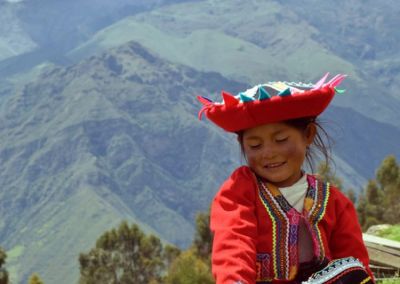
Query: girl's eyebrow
x=254, y=137
x=278, y=132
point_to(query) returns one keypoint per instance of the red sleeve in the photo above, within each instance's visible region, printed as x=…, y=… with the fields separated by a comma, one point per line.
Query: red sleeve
x=346, y=238
x=234, y=223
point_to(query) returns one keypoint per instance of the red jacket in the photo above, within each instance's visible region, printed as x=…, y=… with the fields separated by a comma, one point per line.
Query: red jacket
x=256, y=230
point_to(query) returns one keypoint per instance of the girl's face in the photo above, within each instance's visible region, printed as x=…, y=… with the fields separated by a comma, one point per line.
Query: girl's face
x=276, y=151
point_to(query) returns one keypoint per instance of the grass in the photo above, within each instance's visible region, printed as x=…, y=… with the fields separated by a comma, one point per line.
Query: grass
x=392, y=233
x=388, y=281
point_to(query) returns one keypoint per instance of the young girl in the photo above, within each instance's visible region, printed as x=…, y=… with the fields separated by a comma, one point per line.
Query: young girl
x=272, y=222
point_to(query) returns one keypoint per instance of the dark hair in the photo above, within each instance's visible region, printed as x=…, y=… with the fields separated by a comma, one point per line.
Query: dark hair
x=322, y=141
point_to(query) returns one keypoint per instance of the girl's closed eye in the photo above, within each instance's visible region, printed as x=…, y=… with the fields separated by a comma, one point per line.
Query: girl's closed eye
x=255, y=146
x=254, y=143
x=281, y=139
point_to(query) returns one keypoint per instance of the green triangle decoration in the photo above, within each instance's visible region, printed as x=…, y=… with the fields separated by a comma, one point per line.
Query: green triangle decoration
x=245, y=98
x=263, y=94
x=339, y=91
x=285, y=93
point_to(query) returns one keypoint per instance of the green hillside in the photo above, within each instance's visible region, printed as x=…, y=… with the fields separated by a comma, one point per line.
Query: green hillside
x=114, y=137
x=261, y=41
x=277, y=41
x=218, y=46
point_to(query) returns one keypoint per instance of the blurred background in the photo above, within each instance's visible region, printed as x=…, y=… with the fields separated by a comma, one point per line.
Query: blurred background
x=98, y=116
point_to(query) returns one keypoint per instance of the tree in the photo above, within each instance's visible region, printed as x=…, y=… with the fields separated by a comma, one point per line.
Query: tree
x=370, y=209
x=188, y=268
x=3, y=271
x=202, y=242
x=3, y=257
x=388, y=173
x=351, y=195
x=388, y=176
x=379, y=202
x=194, y=265
x=170, y=254
x=125, y=255
x=327, y=175
x=35, y=279
x=362, y=211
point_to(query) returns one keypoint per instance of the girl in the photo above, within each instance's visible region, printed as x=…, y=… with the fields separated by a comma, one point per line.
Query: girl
x=272, y=222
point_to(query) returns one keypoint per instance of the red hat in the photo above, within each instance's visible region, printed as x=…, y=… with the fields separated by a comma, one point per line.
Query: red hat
x=270, y=102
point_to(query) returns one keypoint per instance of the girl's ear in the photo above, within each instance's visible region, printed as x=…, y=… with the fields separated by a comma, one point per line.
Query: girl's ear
x=310, y=133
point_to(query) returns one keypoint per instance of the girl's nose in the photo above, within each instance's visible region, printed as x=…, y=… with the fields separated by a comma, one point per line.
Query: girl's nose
x=269, y=153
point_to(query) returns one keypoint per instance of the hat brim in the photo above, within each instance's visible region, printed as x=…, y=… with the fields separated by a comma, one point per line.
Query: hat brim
x=234, y=118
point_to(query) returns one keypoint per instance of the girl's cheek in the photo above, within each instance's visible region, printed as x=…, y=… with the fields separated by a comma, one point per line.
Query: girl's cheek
x=290, y=148
x=250, y=157
x=253, y=157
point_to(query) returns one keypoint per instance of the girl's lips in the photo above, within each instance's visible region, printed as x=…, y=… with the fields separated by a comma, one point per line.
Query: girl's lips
x=274, y=165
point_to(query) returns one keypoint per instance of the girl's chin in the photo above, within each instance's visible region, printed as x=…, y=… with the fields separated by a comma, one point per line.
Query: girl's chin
x=275, y=180
x=278, y=180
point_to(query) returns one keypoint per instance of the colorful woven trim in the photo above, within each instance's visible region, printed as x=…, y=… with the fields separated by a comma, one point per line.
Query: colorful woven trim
x=315, y=204
x=285, y=227
x=336, y=269
x=280, y=233
x=263, y=264
x=270, y=102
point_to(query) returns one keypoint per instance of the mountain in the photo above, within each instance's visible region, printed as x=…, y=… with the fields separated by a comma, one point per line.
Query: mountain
x=359, y=141
x=116, y=137
x=98, y=117
x=258, y=41
x=13, y=40
x=250, y=41
x=113, y=137
x=284, y=41
x=33, y=32
x=231, y=39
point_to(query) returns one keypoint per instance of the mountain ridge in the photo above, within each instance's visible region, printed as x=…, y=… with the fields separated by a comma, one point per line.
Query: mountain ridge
x=91, y=144
x=233, y=45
